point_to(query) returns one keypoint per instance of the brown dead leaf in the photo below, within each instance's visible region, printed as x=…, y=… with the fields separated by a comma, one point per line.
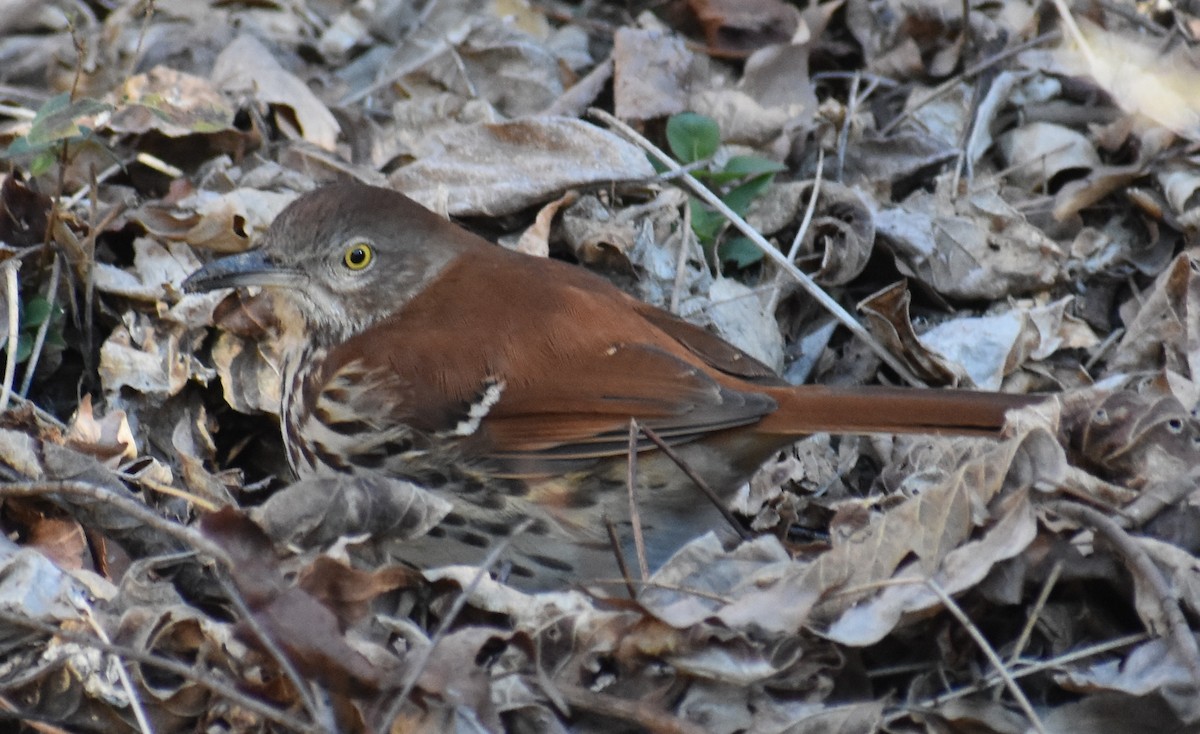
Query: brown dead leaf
x=736, y=28
x=989, y=348
x=144, y=357
x=929, y=528
x=1040, y=153
x=502, y=168
x=597, y=235
x=173, y=104
x=1163, y=330
x=650, y=74
x=777, y=76
x=501, y=64
x=974, y=246
x=298, y=623
x=842, y=231
x=536, y=239
x=886, y=315
x=1136, y=439
x=23, y=213
x=246, y=67
x=1151, y=672
x=108, y=439
x=321, y=510
x=224, y=223
x=156, y=275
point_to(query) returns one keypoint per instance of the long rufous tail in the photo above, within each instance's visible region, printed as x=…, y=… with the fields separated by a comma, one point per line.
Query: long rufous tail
x=875, y=409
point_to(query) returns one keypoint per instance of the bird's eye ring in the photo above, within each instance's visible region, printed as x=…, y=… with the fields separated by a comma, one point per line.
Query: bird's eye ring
x=358, y=256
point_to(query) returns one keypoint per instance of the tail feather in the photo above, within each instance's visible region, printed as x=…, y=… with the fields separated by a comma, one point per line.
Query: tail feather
x=823, y=408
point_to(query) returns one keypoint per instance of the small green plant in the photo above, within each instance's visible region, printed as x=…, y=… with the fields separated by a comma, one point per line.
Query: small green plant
x=56, y=124
x=35, y=313
x=694, y=139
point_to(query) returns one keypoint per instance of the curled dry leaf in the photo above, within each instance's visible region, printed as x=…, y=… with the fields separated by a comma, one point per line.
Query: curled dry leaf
x=842, y=230
x=249, y=352
x=178, y=632
x=1163, y=330
x=1041, y=152
x=108, y=439
x=144, y=355
x=536, y=239
x=989, y=348
x=887, y=317
x=1135, y=438
x=246, y=67
x=595, y=234
x=224, y=223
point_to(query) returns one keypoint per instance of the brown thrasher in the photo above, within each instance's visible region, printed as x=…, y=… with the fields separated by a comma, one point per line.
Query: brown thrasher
x=509, y=381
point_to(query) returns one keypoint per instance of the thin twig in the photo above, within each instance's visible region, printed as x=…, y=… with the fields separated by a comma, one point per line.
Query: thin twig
x=622, y=565
x=774, y=255
x=135, y=701
x=1056, y=663
x=805, y=223
x=319, y=713
x=426, y=654
x=187, y=536
x=681, y=257
x=10, y=267
x=990, y=653
x=642, y=715
x=1140, y=563
x=1035, y=614
x=843, y=139
x=205, y=678
x=953, y=82
x=39, y=341
x=697, y=480
x=635, y=517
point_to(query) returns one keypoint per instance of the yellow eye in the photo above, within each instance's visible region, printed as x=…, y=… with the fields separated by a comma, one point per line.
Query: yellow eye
x=358, y=256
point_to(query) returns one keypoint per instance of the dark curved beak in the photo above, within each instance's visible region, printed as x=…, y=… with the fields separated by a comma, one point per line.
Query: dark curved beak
x=246, y=268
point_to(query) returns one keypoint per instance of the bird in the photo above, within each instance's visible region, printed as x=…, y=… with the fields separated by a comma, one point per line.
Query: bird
x=506, y=383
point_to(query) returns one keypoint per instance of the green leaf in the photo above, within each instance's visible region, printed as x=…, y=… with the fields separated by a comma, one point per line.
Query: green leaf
x=692, y=137
x=37, y=310
x=58, y=119
x=55, y=340
x=43, y=162
x=739, y=251
x=740, y=166
x=706, y=223
x=24, y=347
x=739, y=197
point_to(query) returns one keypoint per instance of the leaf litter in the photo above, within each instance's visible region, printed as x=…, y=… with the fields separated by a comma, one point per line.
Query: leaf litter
x=1010, y=200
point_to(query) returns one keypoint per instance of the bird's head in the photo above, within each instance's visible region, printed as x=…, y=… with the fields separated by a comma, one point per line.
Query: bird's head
x=346, y=256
